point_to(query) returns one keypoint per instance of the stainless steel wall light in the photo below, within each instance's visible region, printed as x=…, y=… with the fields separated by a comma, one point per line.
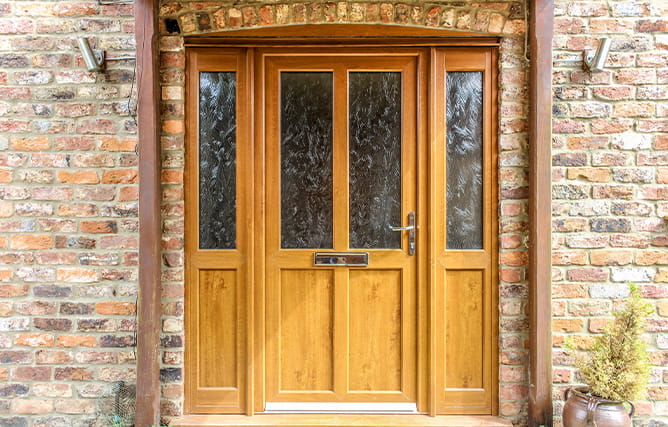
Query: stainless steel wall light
x=96, y=59
x=592, y=60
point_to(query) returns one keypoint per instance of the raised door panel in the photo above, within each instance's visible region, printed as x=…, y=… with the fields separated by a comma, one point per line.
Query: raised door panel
x=305, y=331
x=375, y=327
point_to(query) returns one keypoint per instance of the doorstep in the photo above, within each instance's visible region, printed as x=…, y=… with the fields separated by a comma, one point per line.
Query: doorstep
x=340, y=420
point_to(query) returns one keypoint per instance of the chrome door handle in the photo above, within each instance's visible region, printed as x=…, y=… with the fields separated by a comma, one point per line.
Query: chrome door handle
x=393, y=228
x=411, y=232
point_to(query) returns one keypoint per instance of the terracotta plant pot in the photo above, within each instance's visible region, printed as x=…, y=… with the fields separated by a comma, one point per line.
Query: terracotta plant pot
x=584, y=410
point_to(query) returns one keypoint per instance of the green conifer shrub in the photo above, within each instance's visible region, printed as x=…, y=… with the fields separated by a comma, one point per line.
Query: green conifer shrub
x=616, y=367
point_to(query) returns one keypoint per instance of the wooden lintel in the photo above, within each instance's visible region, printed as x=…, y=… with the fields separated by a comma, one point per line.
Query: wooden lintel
x=541, y=28
x=148, y=118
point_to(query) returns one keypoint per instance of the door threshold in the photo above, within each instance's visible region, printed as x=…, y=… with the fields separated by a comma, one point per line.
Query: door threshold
x=340, y=407
x=340, y=420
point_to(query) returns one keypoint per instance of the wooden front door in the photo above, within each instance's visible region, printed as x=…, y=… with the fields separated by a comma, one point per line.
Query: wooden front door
x=341, y=230
x=341, y=152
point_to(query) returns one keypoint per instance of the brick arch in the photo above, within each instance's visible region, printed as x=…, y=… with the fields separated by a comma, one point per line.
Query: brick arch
x=209, y=17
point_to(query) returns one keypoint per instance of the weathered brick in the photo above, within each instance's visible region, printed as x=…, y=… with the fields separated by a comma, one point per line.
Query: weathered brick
x=587, y=274
x=72, y=374
x=52, y=390
x=31, y=406
x=78, y=177
x=610, y=257
x=53, y=357
x=115, y=308
x=76, y=341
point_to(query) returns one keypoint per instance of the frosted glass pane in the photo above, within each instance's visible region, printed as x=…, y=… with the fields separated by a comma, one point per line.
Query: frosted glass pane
x=375, y=159
x=217, y=160
x=464, y=160
x=306, y=159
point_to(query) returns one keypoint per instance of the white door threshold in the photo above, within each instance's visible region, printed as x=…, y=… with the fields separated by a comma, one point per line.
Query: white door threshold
x=340, y=408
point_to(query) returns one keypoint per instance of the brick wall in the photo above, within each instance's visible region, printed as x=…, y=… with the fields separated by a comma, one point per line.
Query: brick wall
x=68, y=209
x=68, y=213
x=610, y=170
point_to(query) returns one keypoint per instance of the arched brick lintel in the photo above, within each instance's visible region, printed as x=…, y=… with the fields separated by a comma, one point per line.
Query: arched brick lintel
x=210, y=17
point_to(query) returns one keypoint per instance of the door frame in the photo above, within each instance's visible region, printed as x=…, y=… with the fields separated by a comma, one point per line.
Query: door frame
x=432, y=391
x=271, y=62
x=149, y=309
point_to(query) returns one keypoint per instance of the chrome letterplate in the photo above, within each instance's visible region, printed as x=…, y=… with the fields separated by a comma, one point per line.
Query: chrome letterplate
x=351, y=259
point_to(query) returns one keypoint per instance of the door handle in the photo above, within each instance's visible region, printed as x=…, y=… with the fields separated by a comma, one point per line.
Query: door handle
x=411, y=232
x=393, y=228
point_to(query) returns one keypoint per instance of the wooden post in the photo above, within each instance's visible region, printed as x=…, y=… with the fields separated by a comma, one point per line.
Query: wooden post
x=540, y=29
x=148, y=325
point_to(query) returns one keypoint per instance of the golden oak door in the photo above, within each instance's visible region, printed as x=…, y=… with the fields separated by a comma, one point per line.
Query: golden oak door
x=341, y=200
x=341, y=231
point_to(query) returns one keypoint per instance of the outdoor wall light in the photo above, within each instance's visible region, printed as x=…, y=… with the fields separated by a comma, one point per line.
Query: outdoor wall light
x=95, y=59
x=592, y=61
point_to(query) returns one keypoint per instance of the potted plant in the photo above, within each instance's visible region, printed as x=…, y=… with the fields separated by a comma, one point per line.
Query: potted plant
x=615, y=368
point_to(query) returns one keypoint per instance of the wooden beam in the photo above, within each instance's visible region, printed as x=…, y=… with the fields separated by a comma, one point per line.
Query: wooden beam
x=148, y=325
x=541, y=29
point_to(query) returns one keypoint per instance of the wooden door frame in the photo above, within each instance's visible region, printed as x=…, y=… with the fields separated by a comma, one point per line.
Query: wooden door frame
x=149, y=312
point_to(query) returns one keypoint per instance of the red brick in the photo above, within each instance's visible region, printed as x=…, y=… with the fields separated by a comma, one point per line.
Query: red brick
x=108, y=226
x=76, y=9
x=567, y=325
x=128, y=193
x=53, y=357
x=613, y=93
x=587, y=142
x=74, y=143
x=120, y=176
x=636, y=76
x=77, y=275
x=43, y=241
x=97, y=126
x=73, y=374
x=31, y=373
x=78, y=177
x=110, y=143
x=661, y=142
x=569, y=257
x=30, y=144
x=171, y=176
x=587, y=274
x=31, y=406
x=76, y=341
x=13, y=290
x=34, y=340
x=72, y=406
x=52, y=390
x=611, y=257
x=115, y=308
x=52, y=193
x=612, y=125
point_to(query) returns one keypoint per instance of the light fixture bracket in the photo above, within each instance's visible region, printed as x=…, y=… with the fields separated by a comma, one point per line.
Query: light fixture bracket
x=591, y=60
x=96, y=59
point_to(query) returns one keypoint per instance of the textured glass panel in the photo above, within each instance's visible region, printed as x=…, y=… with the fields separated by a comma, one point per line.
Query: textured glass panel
x=306, y=159
x=217, y=160
x=375, y=159
x=464, y=159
